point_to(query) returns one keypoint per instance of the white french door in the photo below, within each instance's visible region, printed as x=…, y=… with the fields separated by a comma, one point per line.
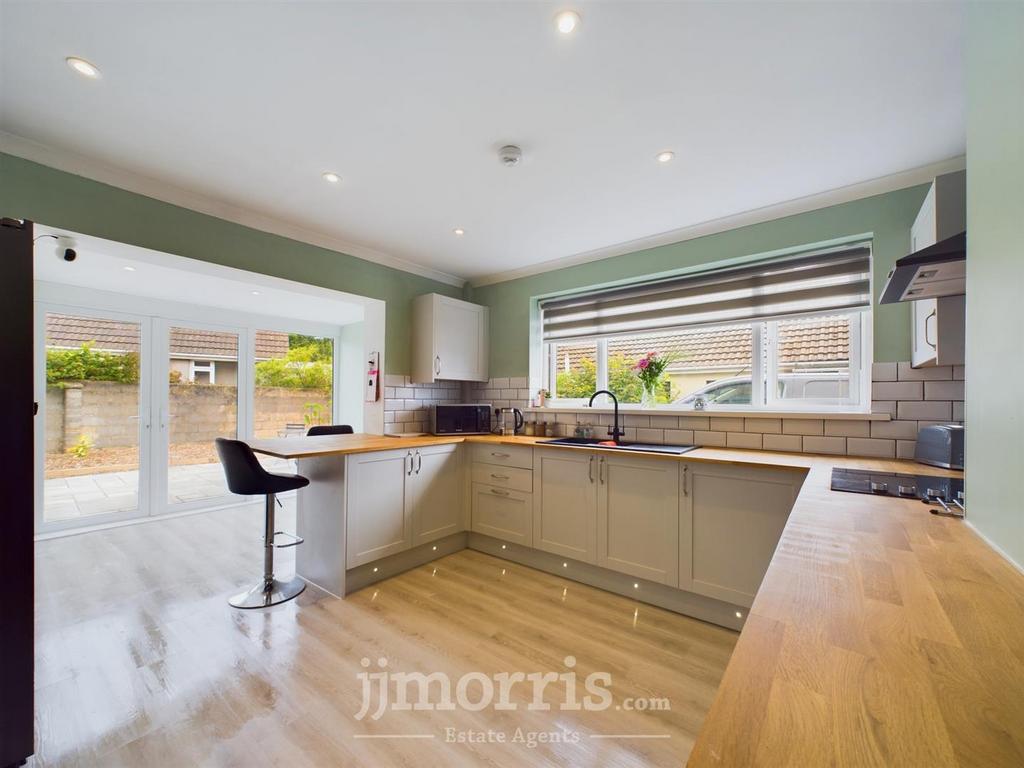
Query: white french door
x=130, y=406
x=94, y=438
x=204, y=375
x=133, y=392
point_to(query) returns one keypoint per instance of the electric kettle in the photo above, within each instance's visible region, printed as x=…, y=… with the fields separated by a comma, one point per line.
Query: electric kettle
x=510, y=421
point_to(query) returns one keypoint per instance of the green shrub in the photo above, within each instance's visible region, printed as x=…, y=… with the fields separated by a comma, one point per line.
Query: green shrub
x=303, y=367
x=82, y=447
x=88, y=364
x=622, y=381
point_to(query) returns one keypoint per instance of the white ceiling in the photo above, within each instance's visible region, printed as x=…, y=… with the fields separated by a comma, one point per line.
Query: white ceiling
x=249, y=103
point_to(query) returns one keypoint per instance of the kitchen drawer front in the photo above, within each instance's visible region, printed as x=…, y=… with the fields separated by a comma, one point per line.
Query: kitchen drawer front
x=504, y=455
x=515, y=478
x=503, y=514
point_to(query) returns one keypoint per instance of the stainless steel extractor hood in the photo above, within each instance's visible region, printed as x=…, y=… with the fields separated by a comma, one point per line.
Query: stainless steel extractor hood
x=938, y=270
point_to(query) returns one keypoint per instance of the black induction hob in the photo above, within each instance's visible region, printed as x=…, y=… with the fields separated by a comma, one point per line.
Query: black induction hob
x=924, y=487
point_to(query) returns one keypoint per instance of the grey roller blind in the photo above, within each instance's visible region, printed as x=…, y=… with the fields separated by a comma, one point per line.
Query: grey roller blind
x=836, y=280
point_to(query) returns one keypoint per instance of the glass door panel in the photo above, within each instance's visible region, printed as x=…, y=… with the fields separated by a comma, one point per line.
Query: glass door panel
x=93, y=415
x=202, y=406
x=294, y=378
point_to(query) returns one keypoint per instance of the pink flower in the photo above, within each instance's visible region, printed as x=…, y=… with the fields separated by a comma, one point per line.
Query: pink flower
x=643, y=363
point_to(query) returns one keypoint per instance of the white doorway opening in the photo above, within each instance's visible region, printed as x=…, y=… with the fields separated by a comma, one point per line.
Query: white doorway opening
x=143, y=358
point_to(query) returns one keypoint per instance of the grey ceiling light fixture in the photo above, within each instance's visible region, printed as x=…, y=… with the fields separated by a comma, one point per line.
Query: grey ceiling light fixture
x=510, y=155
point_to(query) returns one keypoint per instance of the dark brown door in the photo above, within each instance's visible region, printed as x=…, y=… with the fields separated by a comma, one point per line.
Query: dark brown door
x=16, y=551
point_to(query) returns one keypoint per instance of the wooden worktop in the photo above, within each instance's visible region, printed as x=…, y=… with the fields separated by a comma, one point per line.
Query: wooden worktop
x=882, y=635
x=340, y=445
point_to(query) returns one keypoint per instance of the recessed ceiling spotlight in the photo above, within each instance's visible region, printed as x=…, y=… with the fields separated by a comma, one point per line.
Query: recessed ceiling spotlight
x=567, y=21
x=459, y=231
x=666, y=156
x=510, y=155
x=129, y=269
x=83, y=67
x=331, y=178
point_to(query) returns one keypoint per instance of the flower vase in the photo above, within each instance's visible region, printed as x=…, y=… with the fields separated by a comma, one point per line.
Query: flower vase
x=648, y=397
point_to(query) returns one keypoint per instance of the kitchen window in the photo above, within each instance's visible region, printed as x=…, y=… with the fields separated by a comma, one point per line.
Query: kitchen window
x=788, y=334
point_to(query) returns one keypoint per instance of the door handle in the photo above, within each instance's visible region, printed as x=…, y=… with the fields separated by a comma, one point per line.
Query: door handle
x=408, y=458
x=928, y=341
x=499, y=492
x=600, y=470
x=419, y=462
x=437, y=365
x=686, y=490
x=500, y=455
x=144, y=423
x=590, y=468
x=499, y=477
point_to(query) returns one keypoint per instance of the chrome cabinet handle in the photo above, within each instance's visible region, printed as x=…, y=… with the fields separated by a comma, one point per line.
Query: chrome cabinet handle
x=686, y=490
x=590, y=468
x=600, y=470
x=408, y=469
x=437, y=365
x=500, y=455
x=499, y=477
x=419, y=462
x=499, y=492
x=928, y=341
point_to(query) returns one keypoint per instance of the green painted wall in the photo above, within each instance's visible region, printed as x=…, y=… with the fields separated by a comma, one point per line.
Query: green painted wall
x=888, y=217
x=58, y=199
x=995, y=272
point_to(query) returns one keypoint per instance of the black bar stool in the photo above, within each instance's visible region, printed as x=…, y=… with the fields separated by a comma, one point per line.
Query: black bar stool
x=330, y=429
x=247, y=477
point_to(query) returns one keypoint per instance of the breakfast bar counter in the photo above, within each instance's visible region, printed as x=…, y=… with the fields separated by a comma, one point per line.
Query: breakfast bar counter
x=882, y=634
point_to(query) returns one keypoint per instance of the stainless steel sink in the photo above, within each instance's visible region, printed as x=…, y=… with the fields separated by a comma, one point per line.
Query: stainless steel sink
x=604, y=444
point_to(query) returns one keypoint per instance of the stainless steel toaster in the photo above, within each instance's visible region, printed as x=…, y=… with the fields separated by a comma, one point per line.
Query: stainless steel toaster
x=941, y=445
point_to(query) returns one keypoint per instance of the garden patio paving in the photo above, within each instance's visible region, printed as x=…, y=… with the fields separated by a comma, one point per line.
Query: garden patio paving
x=67, y=498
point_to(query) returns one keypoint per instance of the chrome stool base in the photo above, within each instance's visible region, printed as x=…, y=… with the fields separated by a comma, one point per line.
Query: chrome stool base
x=267, y=594
x=270, y=591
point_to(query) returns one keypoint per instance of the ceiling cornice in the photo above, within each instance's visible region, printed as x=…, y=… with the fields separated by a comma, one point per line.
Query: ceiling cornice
x=81, y=165
x=97, y=170
x=847, y=194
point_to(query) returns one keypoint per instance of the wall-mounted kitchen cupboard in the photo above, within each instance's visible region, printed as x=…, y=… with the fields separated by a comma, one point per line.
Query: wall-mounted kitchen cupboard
x=449, y=339
x=938, y=325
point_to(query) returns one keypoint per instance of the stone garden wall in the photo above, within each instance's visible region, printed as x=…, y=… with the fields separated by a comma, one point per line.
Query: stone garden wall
x=104, y=412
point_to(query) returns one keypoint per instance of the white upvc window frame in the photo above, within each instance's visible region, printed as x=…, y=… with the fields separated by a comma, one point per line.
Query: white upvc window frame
x=764, y=372
x=858, y=399
x=210, y=368
x=601, y=373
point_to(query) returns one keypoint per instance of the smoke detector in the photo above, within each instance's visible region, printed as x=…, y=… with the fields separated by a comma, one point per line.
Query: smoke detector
x=510, y=155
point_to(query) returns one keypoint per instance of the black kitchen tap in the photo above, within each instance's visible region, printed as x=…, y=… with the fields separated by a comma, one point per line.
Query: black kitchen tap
x=615, y=432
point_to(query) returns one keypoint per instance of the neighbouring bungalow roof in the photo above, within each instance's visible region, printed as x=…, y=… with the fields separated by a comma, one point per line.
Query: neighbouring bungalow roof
x=816, y=342
x=70, y=332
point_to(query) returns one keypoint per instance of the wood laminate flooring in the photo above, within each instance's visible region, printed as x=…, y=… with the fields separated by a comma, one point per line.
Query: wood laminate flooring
x=141, y=662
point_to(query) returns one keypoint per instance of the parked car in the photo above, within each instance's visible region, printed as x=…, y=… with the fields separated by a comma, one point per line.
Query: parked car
x=792, y=386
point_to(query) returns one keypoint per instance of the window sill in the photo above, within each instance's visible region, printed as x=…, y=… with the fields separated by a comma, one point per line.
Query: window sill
x=717, y=412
